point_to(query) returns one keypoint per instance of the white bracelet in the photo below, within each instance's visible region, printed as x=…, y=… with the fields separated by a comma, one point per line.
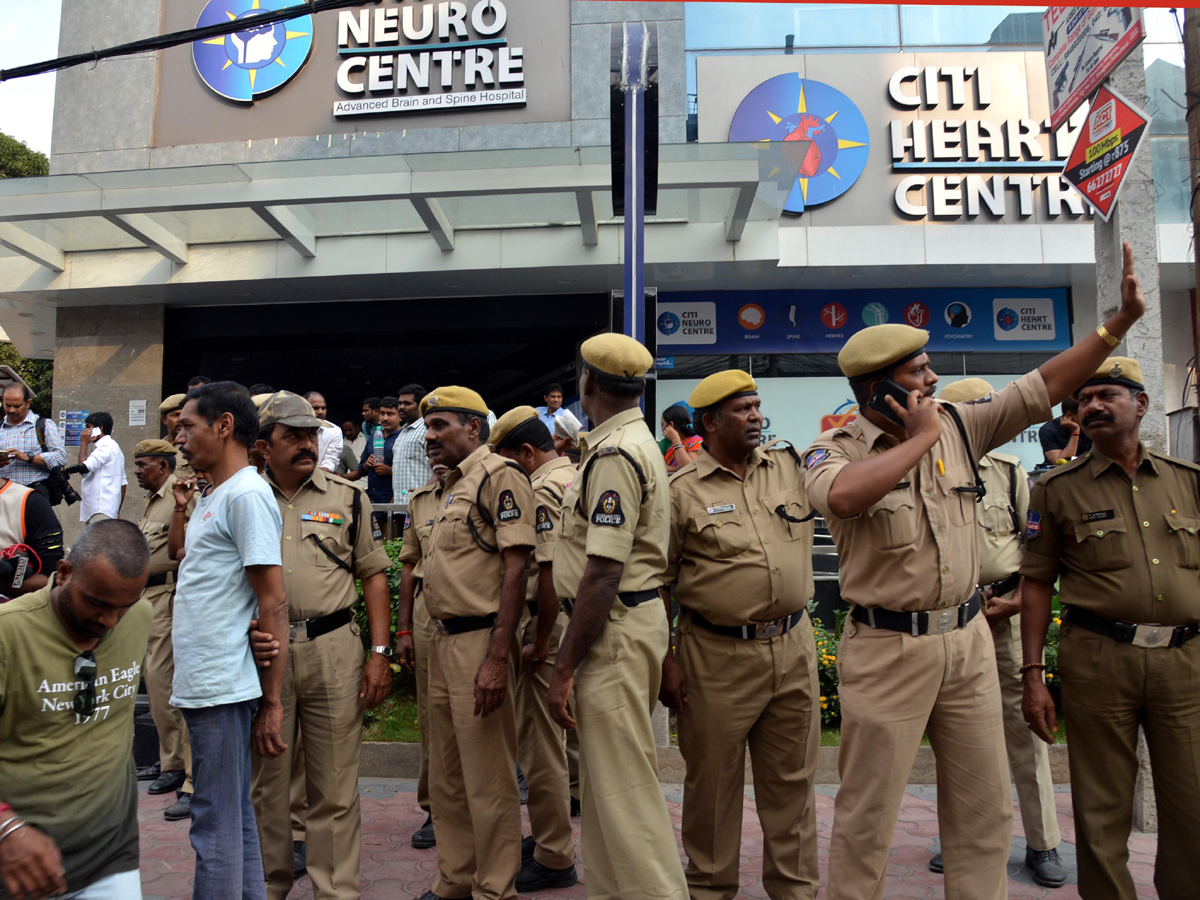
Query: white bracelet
x=20, y=824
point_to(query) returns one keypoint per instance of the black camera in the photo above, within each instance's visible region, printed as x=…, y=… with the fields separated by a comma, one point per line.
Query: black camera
x=59, y=485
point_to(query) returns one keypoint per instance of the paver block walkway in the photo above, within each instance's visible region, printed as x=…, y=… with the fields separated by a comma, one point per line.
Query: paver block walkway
x=393, y=870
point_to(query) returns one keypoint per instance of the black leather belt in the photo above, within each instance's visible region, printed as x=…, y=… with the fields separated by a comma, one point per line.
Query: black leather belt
x=934, y=621
x=754, y=629
x=311, y=629
x=1004, y=585
x=1150, y=636
x=464, y=624
x=630, y=599
x=160, y=579
x=532, y=605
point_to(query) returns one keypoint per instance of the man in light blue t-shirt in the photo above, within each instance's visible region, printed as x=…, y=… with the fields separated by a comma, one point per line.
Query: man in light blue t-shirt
x=231, y=573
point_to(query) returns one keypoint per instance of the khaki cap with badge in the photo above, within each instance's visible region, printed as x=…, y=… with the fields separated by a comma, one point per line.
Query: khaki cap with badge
x=155, y=447
x=172, y=403
x=454, y=398
x=286, y=408
x=510, y=422
x=1117, y=370
x=966, y=390
x=721, y=386
x=617, y=355
x=876, y=350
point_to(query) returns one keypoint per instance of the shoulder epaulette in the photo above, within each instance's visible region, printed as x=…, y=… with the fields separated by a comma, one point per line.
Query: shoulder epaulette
x=1182, y=463
x=1004, y=457
x=1073, y=466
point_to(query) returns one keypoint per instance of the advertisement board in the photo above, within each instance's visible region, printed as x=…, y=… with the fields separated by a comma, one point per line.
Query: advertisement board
x=1083, y=44
x=966, y=320
x=1104, y=153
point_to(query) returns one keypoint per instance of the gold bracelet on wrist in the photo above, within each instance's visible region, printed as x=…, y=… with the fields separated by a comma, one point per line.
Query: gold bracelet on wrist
x=1025, y=668
x=1109, y=339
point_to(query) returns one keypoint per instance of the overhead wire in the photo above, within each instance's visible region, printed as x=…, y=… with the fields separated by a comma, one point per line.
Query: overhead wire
x=174, y=39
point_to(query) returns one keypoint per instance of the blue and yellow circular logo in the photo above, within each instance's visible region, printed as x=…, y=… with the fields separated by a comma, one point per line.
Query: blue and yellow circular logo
x=257, y=59
x=828, y=137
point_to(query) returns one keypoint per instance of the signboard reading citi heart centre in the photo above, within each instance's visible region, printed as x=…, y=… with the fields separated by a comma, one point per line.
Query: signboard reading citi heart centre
x=380, y=65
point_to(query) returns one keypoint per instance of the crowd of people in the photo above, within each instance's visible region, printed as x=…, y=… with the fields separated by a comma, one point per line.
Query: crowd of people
x=556, y=583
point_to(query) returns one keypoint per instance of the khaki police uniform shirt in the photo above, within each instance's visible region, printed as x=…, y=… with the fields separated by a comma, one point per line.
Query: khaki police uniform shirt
x=617, y=517
x=999, y=538
x=423, y=505
x=549, y=483
x=917, y=548
x=183, y=468
x=156, y=522
x=322, y=510
x=462, y=578
x=733, y=557
x=1122, y=549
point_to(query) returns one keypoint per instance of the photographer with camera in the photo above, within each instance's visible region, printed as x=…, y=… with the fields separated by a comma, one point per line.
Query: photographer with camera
x=31, y=448
x=102, y=465
x=31, y=539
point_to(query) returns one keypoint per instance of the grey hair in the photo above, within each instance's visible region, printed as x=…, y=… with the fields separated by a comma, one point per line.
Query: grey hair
x=116, y=540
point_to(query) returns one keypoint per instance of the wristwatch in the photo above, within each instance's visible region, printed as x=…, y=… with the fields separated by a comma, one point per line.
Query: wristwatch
x=383, y=650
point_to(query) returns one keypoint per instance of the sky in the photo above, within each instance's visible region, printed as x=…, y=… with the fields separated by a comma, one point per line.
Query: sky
x=29, y=33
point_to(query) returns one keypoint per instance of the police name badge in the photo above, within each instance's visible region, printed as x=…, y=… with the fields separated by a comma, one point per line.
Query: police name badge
x=723, y=508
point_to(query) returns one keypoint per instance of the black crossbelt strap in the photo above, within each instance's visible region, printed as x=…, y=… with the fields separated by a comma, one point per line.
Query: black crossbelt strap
x=609, y=451
x=341, y=563
x=485, y=514
x=779, y=511
x=978, y=488
x=1012, y=497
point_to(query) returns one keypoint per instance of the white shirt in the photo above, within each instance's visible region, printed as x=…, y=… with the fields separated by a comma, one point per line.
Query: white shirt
x=329, y=447
x=100, y=491
x=358, y=445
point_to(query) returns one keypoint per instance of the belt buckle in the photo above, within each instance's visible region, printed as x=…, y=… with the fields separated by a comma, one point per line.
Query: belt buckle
x=768, y=630
x=297, y=635
x=943, y=622
x=441, y=626
x=1151, y=636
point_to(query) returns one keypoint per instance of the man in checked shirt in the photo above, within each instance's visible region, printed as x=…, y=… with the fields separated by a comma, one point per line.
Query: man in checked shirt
x=23, y=458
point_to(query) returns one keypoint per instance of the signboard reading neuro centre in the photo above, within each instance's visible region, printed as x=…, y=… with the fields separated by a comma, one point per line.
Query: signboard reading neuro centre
x=1104, y=152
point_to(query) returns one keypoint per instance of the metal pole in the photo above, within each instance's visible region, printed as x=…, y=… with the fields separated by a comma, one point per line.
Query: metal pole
x=633, y=84
x=1191, y=69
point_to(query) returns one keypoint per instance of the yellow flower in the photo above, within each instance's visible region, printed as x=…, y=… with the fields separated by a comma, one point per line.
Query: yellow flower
x=822, y=699
x=1049, y=675
x=1057, y=620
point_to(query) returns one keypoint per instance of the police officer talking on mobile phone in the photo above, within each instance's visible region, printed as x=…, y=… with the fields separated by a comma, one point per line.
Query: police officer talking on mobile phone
x=900, y=490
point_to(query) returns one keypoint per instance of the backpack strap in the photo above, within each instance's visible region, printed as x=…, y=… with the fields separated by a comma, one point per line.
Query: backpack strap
x=40, y=428
x=977, y=488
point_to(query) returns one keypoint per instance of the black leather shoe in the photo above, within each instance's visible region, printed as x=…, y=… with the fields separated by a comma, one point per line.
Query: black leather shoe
x=424, y=838
x=149, y=773
x=528, y=845
x=180, y=809
x=576, y=810
x=536, y=877
x=167, y=782
x=1046, y=867
x=299, y=859
x=430, y=895
x=935, y=864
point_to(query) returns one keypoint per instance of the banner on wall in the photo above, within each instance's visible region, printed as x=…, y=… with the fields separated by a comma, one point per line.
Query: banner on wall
x=995, y=319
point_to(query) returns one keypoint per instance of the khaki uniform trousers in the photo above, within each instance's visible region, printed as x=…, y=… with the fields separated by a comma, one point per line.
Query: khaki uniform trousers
x=763, y=691
x=422, y=628
x=542, y=751
x=1108, y=690
x=472, y=775
x=174, y=752
x=895, y=687
x=573, y=764
x=629, y=847
x=1028, y=755
x=299, y=788
x=320, y=698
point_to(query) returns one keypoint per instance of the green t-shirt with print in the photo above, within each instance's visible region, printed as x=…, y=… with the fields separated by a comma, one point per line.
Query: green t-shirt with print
x=69, y=776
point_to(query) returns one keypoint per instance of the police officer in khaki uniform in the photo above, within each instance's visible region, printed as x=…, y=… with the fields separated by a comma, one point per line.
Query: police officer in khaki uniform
x=608, y=566
x=746, y=661
x=1001, y=527
x=548, y=855
x=168, y=413
x=1120, y=530
x=414, y=627
x=475, y=590
x=154, y=465
x=899, y=494
x=328, y=542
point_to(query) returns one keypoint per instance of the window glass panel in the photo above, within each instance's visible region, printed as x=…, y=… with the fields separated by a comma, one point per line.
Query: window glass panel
x=1164, y=98
x=730, y=26
x=970, y=25
x=1169, y=157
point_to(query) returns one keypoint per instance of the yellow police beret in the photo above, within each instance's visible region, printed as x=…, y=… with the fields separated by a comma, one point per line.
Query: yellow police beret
x=880, y=347
x=719, y=386
x=617, y=355
x=966, y=390
x=454, y=399
x=172, y=403
x=509, y=422
x=154, y=447
x=1118, y=370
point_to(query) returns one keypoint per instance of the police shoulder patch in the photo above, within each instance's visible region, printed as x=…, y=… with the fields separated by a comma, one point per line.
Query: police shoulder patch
x=1033, y=524
x=508, y=511
x=815, y=457
x=987, y=399
x=608, y=510
x=543, y=520
x=407, y=521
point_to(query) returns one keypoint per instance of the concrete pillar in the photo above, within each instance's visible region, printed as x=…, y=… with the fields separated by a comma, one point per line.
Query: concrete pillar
x=106, y=356
x=1134, y=221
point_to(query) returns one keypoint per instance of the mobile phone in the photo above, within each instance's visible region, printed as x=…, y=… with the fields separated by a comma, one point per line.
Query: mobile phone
x=889, y=388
